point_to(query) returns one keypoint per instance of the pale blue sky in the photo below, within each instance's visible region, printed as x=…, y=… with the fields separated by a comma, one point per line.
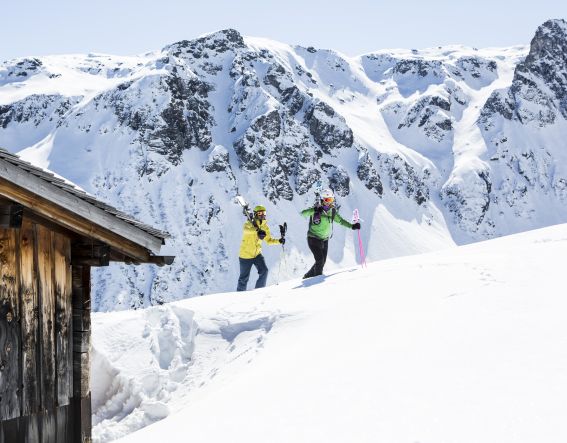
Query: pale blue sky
x=40, y=27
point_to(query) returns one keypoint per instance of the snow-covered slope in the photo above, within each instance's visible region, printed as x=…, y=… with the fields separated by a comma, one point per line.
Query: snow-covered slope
x=434, y=147
x=463, y=345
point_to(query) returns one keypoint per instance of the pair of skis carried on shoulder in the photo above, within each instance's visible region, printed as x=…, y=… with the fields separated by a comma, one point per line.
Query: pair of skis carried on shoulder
x=249, y=214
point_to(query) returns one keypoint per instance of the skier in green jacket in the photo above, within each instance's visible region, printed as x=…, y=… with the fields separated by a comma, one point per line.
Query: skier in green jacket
x=321, y=219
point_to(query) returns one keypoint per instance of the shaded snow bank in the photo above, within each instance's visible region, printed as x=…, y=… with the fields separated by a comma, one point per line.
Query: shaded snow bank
x=466, y=344
x=139, y=359
x=145, y=363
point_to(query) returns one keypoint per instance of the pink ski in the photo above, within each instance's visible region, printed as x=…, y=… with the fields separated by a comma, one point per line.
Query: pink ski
x=356, y=219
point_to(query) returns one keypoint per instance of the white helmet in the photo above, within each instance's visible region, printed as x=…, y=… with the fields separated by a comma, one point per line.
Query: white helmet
x=327, y=193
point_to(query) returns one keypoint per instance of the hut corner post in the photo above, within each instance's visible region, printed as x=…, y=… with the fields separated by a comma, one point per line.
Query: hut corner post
x=81, y=302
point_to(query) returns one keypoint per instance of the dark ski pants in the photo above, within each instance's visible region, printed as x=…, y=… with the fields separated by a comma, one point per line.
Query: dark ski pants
x=319, y=249
x=246, y=266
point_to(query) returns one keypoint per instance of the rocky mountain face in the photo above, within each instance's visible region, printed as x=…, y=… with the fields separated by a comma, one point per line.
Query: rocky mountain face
x=523, y=126
x=435, y=147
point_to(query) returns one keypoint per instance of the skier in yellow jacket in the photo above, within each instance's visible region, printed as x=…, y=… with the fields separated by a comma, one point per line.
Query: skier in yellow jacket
x=251, y=248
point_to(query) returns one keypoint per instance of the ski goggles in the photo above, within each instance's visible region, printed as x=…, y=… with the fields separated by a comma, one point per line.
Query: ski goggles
x=328, y=199
x=260, y=213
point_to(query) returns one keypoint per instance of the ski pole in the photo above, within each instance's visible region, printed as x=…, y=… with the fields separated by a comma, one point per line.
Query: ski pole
x=283, y=230
x=361, y=249
x=282, y=262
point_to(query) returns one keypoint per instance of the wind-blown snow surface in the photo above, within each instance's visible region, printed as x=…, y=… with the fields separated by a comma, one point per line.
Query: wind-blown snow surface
x=463, y=345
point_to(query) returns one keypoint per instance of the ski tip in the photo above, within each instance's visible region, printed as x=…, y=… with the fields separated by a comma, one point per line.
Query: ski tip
x=240, y=200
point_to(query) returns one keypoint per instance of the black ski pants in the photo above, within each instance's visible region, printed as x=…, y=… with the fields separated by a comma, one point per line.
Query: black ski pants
x=319, y=249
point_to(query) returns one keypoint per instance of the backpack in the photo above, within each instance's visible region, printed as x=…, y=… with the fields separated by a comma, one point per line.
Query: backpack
x=333, y=213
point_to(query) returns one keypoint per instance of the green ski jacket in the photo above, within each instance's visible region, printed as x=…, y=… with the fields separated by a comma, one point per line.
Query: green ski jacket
x=324, y=229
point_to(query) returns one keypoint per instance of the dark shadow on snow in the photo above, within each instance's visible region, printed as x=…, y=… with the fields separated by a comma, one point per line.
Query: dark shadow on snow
x=319, y=279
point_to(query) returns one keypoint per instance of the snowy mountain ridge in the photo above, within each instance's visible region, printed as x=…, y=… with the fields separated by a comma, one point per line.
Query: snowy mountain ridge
x=434, y=147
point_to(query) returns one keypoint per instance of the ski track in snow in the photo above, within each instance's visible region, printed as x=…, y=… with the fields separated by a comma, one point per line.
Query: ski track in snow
x=466, y=344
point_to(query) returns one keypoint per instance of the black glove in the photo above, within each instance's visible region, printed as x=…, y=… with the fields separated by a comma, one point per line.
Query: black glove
x=282, y=241
x=355, y=226
x=261, y=234
x=318, y=210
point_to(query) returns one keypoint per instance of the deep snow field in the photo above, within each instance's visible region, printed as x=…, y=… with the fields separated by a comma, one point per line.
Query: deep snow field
x=467, y=345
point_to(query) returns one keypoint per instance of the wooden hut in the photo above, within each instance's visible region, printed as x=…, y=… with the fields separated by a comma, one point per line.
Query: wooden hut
x=51, y=234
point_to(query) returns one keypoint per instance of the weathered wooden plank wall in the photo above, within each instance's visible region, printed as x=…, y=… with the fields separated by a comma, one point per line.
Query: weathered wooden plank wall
x=37, y=352
x=30, y=429
x=46, y=299
x=31, y=361
x=63, y=318
x=10, y=334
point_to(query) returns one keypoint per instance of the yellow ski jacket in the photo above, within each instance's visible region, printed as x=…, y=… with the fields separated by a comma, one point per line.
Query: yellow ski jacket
x=251, y=245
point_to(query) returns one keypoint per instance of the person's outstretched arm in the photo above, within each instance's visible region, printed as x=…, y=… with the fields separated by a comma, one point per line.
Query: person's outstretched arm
x=341, y=221
x=269, y=239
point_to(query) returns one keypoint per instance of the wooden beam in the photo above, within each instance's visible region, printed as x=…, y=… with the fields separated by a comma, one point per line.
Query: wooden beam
x=103, y=227
x=162, y=260
x=85, y=254
x=81, y=287
x=159, y=260
x=11, y=216
x=48, y=200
